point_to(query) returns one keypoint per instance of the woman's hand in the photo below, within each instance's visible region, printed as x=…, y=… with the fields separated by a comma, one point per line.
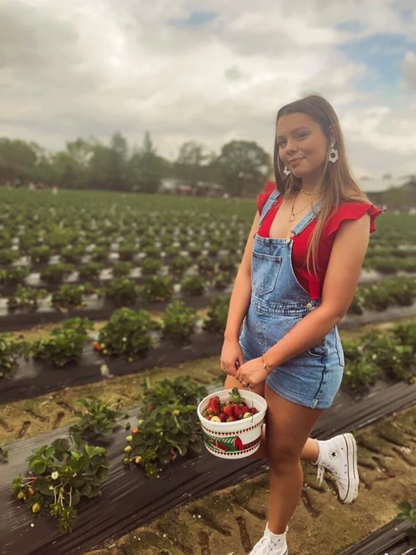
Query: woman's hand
x=251, y=373
x=230, y=354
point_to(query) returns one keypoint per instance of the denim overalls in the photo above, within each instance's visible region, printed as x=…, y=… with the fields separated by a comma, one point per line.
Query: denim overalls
x=278, y=302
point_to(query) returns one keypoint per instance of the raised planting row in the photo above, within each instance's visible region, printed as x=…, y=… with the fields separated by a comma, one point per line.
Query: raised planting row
x=78, y=224
x=130, y=499
x=128, y=334
x=31, y=305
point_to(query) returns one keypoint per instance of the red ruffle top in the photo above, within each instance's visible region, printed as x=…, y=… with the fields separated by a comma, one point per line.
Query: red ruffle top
x=347, y=211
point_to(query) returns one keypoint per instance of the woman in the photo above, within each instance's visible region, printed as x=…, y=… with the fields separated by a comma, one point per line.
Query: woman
x=297, y=279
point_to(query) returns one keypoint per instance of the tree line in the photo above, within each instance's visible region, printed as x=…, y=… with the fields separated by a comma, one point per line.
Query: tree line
x=241, y=167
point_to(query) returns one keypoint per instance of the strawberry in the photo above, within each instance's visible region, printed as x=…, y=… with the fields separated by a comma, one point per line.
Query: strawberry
x=223, y=417
x=151, y=407
x=134, y=431
x=231, y=419
x=245, y=409
x=214, y=405
x=253, y=410
x=215, y=419
x=30, y=493
x=228, y=410
x=97, y=346
x=237, y=411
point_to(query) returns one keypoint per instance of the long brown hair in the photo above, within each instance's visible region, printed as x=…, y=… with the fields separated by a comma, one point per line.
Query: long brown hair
x=336, y=185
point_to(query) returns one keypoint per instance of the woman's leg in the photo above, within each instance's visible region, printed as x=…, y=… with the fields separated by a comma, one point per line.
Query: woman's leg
x=310, y=450
x=289, y=425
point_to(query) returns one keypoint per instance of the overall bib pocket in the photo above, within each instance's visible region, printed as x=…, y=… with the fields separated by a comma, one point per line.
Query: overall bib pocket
x=265, y=270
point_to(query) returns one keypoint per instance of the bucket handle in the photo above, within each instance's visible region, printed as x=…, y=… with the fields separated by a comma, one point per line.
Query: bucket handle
x=237, y=365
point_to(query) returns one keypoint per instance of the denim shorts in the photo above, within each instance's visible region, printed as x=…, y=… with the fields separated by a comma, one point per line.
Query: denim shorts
x=311, y=379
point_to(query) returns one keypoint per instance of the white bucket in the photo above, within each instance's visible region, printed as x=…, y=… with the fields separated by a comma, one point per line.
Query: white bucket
x=238, y=439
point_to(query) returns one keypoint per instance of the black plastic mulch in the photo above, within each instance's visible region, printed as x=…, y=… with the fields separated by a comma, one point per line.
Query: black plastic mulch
x=130, y=500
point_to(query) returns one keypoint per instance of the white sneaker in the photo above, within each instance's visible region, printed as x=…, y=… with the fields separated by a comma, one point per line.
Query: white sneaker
x=271, y=544
x=338, y=455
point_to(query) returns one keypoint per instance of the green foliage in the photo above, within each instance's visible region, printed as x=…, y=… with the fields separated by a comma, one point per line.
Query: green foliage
x=90, y=271
x=408, y=512
x=3, y=454
x=168, y=426
x=121, y=291
x=217, y=315
x=26, y=298
x=65, y=343
x=122, y=269
x=60, y=475
x=193, y=285
x=97, y=418
x=14, y=276
x=127, y=334
x=55, y=273
x=70, y=295
x=179, y=321
x=11, y=348
x=157, y=289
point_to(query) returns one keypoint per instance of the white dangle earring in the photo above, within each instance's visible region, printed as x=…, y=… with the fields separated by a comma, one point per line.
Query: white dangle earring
x=286, y=171
x=333, y=154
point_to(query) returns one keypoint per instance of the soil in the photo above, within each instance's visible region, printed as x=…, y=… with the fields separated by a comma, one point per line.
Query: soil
x=230, y=521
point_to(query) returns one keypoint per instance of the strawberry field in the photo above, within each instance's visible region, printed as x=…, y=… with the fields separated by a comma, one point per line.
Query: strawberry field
x=101, y=288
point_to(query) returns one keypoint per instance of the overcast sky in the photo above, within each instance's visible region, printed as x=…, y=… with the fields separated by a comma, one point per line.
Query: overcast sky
x=210, y=71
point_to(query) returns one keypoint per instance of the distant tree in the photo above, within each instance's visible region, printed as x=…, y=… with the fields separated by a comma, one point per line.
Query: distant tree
x=147, y=167
x=190, y=163
x=17, y=159
x=244, y=167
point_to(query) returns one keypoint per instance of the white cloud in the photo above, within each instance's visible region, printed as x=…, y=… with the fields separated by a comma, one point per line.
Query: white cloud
x=90, y=67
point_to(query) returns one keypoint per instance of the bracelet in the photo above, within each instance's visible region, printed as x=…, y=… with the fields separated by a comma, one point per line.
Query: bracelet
x=265, y=367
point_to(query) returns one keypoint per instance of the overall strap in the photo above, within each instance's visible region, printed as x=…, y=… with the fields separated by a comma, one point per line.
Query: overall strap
x=270, y=201
x=308, y=219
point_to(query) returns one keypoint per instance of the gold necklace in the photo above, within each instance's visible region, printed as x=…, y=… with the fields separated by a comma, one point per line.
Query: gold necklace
x=294, y=214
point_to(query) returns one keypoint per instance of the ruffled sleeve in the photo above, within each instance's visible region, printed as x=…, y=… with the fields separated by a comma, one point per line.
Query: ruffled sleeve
x=269, y=187
x=352, y=211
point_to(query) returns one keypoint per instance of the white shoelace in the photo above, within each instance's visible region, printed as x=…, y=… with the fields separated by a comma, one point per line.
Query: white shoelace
x=321, y=473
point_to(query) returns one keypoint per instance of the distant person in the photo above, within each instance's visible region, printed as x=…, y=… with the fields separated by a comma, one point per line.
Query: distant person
x=297, y=279
x=54, y=190
x=31, y=186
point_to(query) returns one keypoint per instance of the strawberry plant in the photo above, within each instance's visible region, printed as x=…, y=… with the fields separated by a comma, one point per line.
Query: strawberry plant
x=217, y=315
x=179, y=264
x=73, y=254
x=121, y=291
x=90, y=271
x=60, y=476
x=206, y=266
x=56, y=272
x=127, y=334
x=11, y=348
x=26, y=298
x=167, y=425
x=226, y=263
x=127, y=251
x=97, y=418
x=40, y=254
x=70, y=295
x=65, y=343
x=408, y=512
x=14, y=276
x=151, y=251
x=193, y=285
x=222, y=280
x=3, y=454
x=100, y=254
x=178, y=321
x=406, y=334
x=157, y=289
x=121, y=269
x=151, y=266
x=7, y=256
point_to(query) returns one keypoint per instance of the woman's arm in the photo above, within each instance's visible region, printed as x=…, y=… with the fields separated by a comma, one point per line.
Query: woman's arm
x=240, y=297
x=341, y=280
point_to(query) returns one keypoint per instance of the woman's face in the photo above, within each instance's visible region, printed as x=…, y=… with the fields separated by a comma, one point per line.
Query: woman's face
x=303, y=147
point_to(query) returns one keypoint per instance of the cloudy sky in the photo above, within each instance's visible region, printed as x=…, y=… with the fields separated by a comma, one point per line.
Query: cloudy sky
x=210, y=71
